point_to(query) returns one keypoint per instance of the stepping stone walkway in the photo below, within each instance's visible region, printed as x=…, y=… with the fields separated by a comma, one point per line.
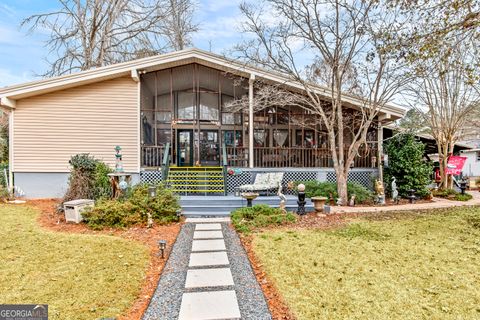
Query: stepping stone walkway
x=207, y=276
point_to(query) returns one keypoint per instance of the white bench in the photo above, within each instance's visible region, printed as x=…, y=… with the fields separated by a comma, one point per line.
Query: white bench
x=264, y=182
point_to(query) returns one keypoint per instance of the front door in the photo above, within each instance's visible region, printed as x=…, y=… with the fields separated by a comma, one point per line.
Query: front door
x=209, y=148
x=185, y=148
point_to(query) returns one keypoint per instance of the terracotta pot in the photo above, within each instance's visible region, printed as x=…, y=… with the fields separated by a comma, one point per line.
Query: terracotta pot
x=318, y=203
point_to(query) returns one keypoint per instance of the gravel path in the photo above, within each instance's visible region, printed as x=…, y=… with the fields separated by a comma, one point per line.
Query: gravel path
x=250, y=296
x=167, y=299
x=165, y=303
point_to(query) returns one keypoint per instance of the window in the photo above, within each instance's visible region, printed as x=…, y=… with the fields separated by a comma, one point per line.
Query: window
x=186, y=105
x=164, y=136
x=208, y=106
x=232, y=138
x=307, y=139
x=260, y=138
x=163, y=110
x=148, y=128
x=478, y=155
x=229, y=117
x=280, y=138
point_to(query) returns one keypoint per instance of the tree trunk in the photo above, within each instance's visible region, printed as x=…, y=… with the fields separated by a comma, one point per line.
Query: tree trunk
x=342, y=186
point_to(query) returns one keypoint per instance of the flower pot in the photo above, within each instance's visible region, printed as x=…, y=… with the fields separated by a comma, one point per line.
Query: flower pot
x=318, y=203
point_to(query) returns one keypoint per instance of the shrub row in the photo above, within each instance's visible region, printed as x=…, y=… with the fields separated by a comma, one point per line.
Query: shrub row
x=452, y=195
x=134, y=209
x=325, y=189
x=261, y=215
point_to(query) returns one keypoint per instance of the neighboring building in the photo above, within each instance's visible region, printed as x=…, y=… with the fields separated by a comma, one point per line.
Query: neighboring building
x=472, y=164
x=173, y=100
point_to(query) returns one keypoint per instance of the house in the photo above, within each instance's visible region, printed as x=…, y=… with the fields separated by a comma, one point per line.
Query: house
x=471, y=168
x=167, y=113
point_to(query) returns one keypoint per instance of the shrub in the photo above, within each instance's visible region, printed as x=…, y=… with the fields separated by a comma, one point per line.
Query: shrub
x=134, y=209
x=406, y=164
x=261, y=215
x=88, y=178
x=452, y=195
x=325, y=189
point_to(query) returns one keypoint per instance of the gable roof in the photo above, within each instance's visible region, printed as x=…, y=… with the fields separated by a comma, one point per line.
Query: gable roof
x=8, y=95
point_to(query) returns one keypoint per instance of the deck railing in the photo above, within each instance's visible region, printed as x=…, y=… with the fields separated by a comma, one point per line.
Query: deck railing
x=267, y=157
x=152, y=156
x=299, y=157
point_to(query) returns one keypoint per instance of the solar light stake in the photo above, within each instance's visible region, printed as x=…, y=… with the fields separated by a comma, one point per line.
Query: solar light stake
x=162, y=245
x=152, y=191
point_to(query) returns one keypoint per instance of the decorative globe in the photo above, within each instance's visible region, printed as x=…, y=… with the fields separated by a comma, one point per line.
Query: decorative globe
x=123, y=185
x=301, y=187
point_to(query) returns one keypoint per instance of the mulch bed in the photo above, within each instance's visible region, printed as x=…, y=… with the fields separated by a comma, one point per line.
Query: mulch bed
x=55, y=222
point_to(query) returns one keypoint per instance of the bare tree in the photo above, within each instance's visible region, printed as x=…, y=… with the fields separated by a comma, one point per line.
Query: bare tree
x=346, y=39
x=94, y=33
x=178, y=25
x=448, y=92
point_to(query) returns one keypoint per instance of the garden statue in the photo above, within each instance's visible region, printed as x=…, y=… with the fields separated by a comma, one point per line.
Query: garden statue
x=283, y=199
x=118, y=159
x=380, y=192
x=351, y=203
x=339, y=202
x=330, y=198
x=301, y=199
x=119, y=179
x=394, y=190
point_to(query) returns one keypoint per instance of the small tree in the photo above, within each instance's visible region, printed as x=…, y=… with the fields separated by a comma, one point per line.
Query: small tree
x=406, y=164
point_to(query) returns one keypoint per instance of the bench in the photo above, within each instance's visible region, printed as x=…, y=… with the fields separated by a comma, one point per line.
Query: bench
x=264, y=182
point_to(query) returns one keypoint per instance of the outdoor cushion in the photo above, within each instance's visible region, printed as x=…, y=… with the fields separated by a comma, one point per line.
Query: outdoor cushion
x=264, y=181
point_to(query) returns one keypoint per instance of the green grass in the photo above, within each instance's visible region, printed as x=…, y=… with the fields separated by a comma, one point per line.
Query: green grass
x=78, y=276
x=420, y=266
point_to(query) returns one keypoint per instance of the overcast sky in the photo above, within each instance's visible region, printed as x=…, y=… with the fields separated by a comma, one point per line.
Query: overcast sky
x=22, y=55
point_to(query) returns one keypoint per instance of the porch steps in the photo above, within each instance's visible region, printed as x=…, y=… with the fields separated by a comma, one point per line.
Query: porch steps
x=196, y=180
x=215, y=206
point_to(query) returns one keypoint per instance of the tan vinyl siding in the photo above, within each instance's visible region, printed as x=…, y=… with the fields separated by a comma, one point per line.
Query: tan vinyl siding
x=93, y=119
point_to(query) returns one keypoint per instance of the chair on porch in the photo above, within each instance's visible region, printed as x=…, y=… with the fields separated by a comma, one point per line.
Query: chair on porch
x=264, y=182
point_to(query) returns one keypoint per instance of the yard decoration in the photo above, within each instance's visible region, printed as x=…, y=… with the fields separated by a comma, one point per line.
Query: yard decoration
x=411, y=195
x=301, y=199
x=119, y=180
x=379, y=189
x=319, y=203
x=283, y=199
x=249, y=196
x=351, y=203
x=394, y=190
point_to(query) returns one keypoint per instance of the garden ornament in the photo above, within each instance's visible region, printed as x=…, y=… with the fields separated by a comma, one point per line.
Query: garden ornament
x=380, y=192
x=339, y=202
x=283, y=199
x=301, y=199
x=118, y=159
x=351, y=203
x=394, y=190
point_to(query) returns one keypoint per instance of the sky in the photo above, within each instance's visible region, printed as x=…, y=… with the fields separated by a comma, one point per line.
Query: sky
x=22, y=54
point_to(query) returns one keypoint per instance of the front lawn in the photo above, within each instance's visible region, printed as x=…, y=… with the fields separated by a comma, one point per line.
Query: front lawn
x=79, y=276
x=419, y=266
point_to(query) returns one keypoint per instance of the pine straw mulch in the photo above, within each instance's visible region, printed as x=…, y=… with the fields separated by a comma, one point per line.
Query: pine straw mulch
x=50, y=219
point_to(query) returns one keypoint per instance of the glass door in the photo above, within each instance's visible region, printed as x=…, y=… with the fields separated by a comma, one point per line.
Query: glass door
x=209, y=148
x=184, y=148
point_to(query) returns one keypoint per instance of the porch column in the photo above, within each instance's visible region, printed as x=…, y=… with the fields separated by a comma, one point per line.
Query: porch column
x=250, y=121
x=380, y=150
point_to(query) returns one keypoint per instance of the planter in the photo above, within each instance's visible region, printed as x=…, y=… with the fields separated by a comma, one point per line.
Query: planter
x=318, y=203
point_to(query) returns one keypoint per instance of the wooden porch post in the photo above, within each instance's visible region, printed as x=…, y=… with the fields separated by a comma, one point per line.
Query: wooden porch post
x=380, y=150
x=250, y=121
